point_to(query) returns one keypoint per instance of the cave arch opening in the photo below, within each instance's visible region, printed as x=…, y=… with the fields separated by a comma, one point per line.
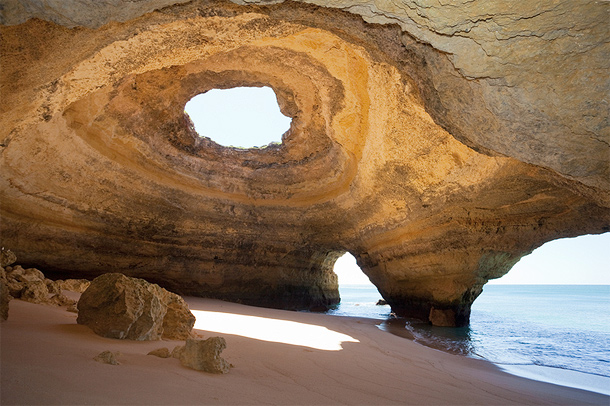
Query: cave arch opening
x=238, y=117
x=565, y=261
x=557, y=269
x=359, y=296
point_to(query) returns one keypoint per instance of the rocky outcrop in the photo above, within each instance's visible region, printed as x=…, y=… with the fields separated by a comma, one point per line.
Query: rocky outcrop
x=438, y=143
x=117, y=306
x=204, y=355
x=32, y=286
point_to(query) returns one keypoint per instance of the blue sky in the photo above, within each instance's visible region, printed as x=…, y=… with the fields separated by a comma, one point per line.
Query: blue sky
x=250, y=117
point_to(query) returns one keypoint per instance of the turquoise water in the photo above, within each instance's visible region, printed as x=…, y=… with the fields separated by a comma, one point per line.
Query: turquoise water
x=560, y=326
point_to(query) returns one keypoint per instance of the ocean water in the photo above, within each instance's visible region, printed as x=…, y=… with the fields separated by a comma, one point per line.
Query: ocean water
x=558, y=326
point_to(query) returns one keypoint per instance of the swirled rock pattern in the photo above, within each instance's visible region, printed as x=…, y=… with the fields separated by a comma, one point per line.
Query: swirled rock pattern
x=437, y=143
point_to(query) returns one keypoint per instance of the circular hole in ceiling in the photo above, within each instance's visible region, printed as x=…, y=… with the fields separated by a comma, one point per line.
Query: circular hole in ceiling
x=241, y=117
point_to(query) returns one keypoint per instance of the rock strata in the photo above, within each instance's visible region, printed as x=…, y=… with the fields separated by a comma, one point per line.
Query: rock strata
x=117, y=306
x=437, y=142
x=204, y=355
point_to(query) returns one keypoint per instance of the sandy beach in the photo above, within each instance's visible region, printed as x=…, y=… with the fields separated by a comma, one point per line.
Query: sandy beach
x=279, y=358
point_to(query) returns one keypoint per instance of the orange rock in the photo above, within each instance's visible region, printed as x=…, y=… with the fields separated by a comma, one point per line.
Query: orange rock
x=426, y=143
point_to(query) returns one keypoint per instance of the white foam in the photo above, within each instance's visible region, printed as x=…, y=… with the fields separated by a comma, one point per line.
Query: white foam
x=559, y=376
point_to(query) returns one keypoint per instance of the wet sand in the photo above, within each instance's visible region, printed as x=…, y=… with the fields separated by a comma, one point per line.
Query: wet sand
x=279, y=358
x=559, y=376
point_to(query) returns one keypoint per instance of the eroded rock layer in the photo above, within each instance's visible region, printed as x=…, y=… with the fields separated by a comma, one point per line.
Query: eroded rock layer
x=396, y=153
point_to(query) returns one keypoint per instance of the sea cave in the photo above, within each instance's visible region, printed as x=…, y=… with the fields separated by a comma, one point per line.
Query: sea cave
x=438, y=145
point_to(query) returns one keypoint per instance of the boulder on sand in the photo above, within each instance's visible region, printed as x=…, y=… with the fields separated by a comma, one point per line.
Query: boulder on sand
x=204, y=355
x=118, y=306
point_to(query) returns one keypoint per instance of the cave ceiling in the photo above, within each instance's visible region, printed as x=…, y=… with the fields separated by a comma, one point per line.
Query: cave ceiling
x=438, y=144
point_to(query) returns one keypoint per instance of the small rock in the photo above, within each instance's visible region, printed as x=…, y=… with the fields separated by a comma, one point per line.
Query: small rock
x=15, y=270
x=61, y=300
x=107, y=357
x=204, y=355
x=72, y=308
x=160, y=352
x=74, y=285
x=7, y=257
x=35, y=292
x=177, y=351
x=52, y=286
x=32, y=286
x=33, y=275
x=381, y=302
x=15, y=288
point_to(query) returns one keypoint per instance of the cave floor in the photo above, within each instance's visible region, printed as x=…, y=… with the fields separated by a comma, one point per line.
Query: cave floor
x=278, y=357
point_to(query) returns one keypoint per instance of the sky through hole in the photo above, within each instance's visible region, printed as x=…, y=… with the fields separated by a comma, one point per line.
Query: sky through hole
x=243, y=117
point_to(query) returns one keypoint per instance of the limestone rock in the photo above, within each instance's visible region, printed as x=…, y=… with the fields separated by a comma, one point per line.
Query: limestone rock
x=15, y=288
x=204, y=355
x=7, y=257
x=117, y=306
x=74, y=285
x=424, y=140
x=52, y=286
x=107, y=357
x=178, y=321
x=62, y=300
x=160, y=352
x=35, y=292
x=31, y=285
x=27, y=284
x=5, y=296
x=14, y=285
x=442, y=317
x=177, y=351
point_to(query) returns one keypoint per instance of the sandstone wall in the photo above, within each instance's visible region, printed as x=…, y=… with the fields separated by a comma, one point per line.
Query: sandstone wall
x=438, y=144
